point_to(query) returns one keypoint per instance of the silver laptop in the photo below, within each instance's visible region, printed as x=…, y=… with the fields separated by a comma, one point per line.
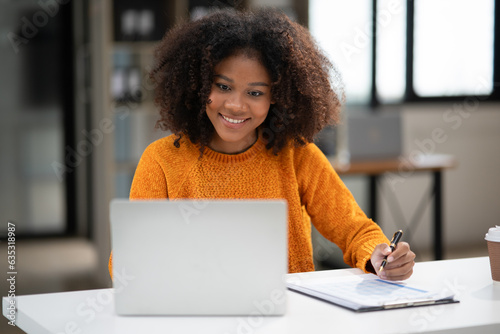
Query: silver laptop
x=185, y=257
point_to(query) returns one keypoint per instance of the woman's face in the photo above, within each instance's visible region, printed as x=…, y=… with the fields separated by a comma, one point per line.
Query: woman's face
x=240, y=100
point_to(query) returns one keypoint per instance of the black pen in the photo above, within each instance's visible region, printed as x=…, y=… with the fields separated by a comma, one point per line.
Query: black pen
x=394, y=242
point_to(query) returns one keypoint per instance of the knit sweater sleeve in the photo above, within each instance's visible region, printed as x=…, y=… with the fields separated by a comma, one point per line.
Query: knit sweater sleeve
x=149, y=179
x=333, y=210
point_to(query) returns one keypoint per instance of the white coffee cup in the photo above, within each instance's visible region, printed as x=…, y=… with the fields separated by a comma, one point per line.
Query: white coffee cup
x=493, y=240
x=493, y=234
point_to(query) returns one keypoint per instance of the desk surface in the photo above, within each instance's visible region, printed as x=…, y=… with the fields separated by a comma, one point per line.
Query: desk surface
x=420, y=163
x=92, y=311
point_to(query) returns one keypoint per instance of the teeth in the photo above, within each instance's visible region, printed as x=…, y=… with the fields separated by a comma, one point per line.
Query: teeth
x=234, y=121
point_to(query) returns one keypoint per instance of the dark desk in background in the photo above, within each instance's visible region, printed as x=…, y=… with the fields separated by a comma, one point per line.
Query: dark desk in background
x=402, y=168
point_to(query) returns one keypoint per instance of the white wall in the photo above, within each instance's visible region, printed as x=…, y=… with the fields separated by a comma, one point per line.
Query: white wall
x=471, y=132
x=471, y=191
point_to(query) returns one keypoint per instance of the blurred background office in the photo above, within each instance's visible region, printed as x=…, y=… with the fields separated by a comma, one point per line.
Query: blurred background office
x=421, y=77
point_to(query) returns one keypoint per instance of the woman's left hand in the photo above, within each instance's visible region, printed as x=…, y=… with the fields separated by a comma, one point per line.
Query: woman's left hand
x=399, y=263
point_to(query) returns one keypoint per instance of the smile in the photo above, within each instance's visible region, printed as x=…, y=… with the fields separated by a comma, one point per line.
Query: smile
x=234, y=121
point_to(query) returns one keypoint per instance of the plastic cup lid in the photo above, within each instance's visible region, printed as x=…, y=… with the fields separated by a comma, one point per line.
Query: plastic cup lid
x=493, y=234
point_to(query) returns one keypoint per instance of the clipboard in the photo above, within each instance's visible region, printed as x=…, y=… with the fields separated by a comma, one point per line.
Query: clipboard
x=367, y=292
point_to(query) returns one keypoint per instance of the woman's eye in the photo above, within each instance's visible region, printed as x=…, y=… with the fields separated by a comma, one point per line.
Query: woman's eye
x=255, y=93
x=223, y=87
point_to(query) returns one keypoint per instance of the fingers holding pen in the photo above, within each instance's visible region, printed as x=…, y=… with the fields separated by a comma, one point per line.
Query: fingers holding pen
x=399, y=263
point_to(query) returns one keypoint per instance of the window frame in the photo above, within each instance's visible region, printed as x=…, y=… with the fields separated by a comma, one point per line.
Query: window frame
x=410, y=96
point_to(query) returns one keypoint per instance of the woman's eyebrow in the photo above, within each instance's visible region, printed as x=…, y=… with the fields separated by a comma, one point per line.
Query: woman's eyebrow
x=258, y=84
x=250, y=84
x=224, y=77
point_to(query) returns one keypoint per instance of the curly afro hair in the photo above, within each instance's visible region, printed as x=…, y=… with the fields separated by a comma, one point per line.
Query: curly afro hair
x=306, y=87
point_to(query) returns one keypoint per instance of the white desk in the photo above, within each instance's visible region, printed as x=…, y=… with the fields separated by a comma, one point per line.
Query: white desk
x=92, y=311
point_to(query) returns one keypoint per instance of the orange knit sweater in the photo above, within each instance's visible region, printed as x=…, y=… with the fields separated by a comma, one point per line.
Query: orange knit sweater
x=301, y=175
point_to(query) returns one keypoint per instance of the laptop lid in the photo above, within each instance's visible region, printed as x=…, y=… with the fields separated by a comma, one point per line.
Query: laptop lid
x=185, y=257
x=374, y=136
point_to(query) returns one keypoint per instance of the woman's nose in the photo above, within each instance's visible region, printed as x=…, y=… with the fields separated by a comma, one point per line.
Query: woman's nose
x=235, y=102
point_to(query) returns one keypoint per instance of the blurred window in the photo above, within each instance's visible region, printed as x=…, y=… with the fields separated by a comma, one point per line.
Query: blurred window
x=453, y=47
x=392, y=51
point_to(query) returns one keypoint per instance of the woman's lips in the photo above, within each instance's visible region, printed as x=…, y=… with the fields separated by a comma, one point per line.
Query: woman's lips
x=233, y=122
